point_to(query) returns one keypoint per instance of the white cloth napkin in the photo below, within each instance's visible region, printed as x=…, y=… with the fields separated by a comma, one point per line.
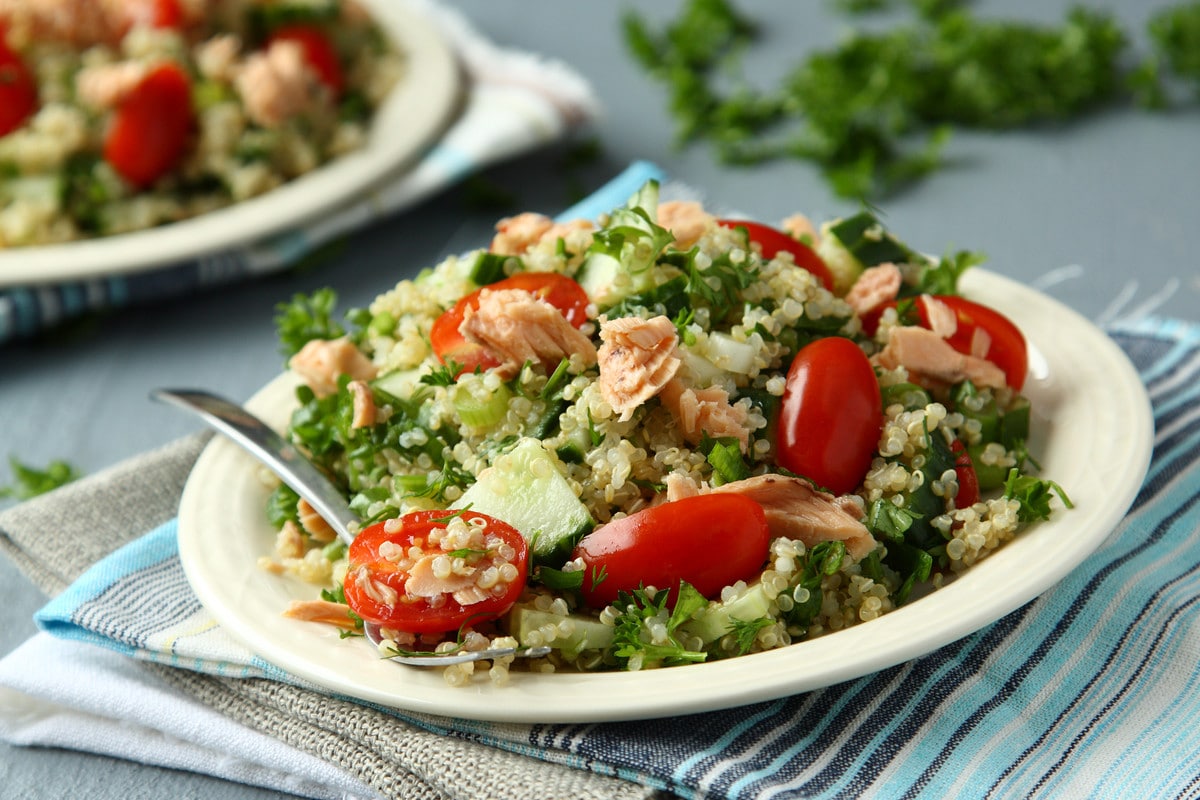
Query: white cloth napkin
x=57, y=693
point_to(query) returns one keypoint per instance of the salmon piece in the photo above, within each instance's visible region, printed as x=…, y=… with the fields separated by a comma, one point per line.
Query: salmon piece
x=930, y=359
x=637, y=359
x=875, y=286
x=942, y=319
x=515, y=235
x=313, y=523
x=705, y=411
x=217, y=58
x=422, y=582
x=686, y=220
x=321, y=361
x=517, y=327
x=801, y=228
x=324, y=611
x=680, y=486
x=104, y=86
x=277, y=84
x=364, y=404
x=796, y=510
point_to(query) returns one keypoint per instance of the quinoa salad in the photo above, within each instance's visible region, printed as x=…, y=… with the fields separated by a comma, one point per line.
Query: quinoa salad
x=654, y=439
x=122, y=115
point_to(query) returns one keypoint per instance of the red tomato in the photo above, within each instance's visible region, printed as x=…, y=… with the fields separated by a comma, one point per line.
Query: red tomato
x=319, y=52
x=18, y=89
x=710, y=541
x=968, y=481
x=558, y=290
x=151, y=127
x=439, y=613
x=772, y=241
x=1007, y=349
x=830, y=416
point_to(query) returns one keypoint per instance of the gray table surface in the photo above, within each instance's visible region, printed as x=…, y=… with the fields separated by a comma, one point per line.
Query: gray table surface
x=1114, y=199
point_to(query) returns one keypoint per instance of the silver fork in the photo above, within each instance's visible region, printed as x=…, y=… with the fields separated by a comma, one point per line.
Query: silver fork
x=294, y=469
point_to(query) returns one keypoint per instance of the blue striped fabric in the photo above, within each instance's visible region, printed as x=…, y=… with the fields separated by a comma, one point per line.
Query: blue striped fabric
x=1089, y=691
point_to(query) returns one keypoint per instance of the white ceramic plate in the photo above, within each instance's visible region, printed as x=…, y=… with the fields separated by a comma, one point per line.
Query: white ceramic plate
x=1092, y=432
x=410, y=118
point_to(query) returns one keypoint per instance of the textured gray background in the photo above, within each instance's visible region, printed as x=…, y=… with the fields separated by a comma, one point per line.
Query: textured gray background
x=1113, y=199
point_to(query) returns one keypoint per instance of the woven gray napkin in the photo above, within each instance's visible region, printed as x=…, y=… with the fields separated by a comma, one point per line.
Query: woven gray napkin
x=55, y=537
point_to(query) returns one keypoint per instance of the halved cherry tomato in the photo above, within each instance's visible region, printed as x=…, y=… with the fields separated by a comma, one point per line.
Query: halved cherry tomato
x=772, y=241
x=150, y=129
x=558, y=290
x=319, y=52
x=830, y=416
x=968, y=481
x=1007, y=348
x=709, y=540
x=439, y=613
x=18, y=89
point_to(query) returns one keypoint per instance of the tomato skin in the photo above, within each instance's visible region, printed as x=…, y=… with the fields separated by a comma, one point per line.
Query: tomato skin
x=1007, y=350
x=772, y=241
x=968, y=481
x=709, y=540
x=319, y=52
x=18, y=89
x=558, y=290
x=419, y=616
x=830, y=416
x=149, y=133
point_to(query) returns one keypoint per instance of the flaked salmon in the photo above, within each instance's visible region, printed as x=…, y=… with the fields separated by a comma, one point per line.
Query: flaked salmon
x=518, y=327
x=637, y=358
x=364, y=411
x=796, y=510
x=322, y=361
x=325, y=611
x=518, y=234
x=875, y=286
x=930, y=359
x=277, y=84
x=705, y=411
x=686, y=220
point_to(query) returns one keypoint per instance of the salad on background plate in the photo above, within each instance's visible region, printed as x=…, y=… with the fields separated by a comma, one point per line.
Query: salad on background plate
x=137, y=132
x=656, y=439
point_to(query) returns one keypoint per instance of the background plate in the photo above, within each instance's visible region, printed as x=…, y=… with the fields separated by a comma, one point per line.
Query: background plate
x=1092, y=432
x=411, y=117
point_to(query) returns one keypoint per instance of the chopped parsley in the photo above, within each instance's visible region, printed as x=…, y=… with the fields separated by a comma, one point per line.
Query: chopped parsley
x=31, y=481
x=874, y=111
x=633, y=643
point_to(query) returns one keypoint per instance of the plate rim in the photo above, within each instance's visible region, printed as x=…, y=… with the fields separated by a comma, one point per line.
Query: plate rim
x=425, y=101
x=576, y=697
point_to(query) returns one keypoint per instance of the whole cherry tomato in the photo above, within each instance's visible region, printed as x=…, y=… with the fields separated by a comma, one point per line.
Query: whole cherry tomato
x=1007, y=348
x=558, y=290
x=319, y=52
x=830, y=416
x=149, y=133
x=709, y=540
x=772, y=241
x=375, y=577
x=968, y=481
x=18, y=89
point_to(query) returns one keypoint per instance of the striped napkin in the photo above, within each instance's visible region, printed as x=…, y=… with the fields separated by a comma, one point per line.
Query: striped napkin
x=515, y=102
x=1091, y=690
